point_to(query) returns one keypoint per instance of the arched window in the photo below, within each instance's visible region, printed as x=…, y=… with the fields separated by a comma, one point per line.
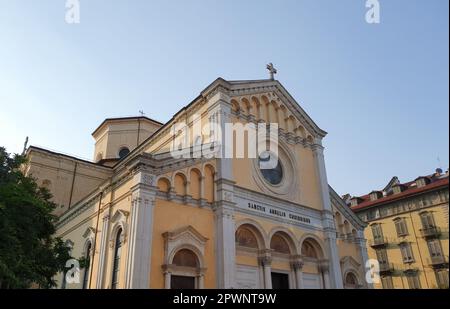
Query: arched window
x=88, y=266
x=195, y=183
x=185, y=258
x=209, y=184
x=188, y=278
x=350, y=280
x=273, y=175
x=116, y=262
x=279, y=244
x=308, y=250
x=246, y=238
x=163, y=185
x=123, y=152
x=180, y=184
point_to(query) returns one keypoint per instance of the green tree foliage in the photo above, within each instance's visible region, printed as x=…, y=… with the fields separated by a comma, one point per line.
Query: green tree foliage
x=29, y=254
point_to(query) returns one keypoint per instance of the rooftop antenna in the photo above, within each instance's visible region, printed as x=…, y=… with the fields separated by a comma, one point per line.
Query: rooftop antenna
x=439, y=169
x=25, y=146
x=142, y=113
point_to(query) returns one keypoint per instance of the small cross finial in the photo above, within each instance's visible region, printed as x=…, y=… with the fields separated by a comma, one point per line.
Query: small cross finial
x=25, y=145
x=272, y=70
x=141, y=112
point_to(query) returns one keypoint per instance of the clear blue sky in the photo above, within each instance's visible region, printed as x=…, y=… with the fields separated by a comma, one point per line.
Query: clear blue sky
x=381, y=91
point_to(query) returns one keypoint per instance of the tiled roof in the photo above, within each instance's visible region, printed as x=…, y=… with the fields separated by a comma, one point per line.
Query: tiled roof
x=410, y=190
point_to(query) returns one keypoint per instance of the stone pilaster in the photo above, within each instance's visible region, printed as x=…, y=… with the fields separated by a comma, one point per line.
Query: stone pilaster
x=141, y=227
x=103, y=250
x=324, y=268
x=220, y=108
x=362, y=245
x=327, y=218
x=297, y=266
x=265, y=259
x=225, y=245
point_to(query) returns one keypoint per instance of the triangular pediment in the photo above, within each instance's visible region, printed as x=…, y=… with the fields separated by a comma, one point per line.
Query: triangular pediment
x=278, y=92
x=349, y=261
x=89, y=233
x=187, y=231
x=119, y=215
x=229, y=90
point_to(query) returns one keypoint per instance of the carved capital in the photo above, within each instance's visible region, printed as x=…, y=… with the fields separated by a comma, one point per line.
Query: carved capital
x=297, y=262
x=265, y=257
x=265, y=260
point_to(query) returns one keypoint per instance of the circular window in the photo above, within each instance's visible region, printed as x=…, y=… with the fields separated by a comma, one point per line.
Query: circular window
x=123, y=152
x=273, y=175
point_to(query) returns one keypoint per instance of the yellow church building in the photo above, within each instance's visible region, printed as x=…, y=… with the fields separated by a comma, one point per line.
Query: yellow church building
x=145, y=218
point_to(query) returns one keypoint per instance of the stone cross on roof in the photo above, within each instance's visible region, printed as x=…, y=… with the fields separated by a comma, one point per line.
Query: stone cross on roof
x=272, y=70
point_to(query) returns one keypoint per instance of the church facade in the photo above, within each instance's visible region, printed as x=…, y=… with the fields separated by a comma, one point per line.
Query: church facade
x=144, y=218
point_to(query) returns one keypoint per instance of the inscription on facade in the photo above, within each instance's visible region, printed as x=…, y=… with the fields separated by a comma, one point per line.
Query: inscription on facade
x=278, y=213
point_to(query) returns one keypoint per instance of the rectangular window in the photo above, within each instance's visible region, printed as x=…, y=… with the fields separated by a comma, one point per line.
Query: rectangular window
x=400, y=226
x=442, y=278
x=387, y=282
x=382, y=256
x=413, y=281
x=407, y=254
x=376, y=231
x=371, y=215
x=427, y=220
x=435, y=248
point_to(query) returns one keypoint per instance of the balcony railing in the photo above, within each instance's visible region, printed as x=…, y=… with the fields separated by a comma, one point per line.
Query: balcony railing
x=378, y=242
x=430, y=231
x=438, y=261
x=386, y=267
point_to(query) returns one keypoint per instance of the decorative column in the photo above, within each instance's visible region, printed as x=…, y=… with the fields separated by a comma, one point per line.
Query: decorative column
x=140, y=240
x=327, y=217
x=103, y=250
x=203, y=201
x=171, y=194
x=167, y=279
x=266, y=262
x=188, y=197
x=279, y=119
x=201, y=281
x=324, y=270
x=225, y=245
x=259, y=113
x=251, y=113
x=361, y=242
x=220, y=108
x=297, y=266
